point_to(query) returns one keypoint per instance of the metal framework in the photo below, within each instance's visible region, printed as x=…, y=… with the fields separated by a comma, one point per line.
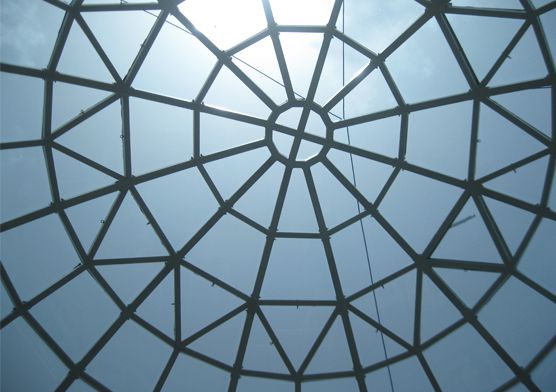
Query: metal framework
x=472, y=188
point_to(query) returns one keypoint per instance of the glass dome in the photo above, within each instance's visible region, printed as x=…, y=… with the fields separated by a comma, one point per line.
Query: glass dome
x=300, y=195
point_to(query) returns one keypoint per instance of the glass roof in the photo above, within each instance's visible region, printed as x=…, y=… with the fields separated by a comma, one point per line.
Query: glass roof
x=301, y=195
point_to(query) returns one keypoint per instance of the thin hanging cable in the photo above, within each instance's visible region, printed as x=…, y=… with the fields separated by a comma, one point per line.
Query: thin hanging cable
x=358, y=205
x=234, y=57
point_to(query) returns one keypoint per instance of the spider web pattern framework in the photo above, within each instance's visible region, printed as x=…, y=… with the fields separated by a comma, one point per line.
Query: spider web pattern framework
x=472, y=188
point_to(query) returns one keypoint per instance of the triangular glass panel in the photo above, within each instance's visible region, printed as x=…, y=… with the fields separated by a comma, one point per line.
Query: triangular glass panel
x=438, y=138
x=378, y=35
x=121, y=45
x=341, y=64
x=385, y=255
x=192, y=374
x=25, y=350
x=437, y=312
x=187, y=204
x=474, y=355
x=20, y=92
x=468, y=238
x=525, y=62
x=230, y=173
x=418, y=218
x=174, y=43
x=259, y=201
x=258, y=61
x=333, y=353
x=513, y=222
x=80, y=305
x=158, y=307
x=537, y=261
x=197, y=314
x=369, y=342
x=71, y=100
x=370, y=176
x=350, y=257
x=130, y=234
x=29, y=32
x=223, y=27
x=396, y=304
x=80, y=58
x=261, y=354
x=302, y=261
x=524, y=183
x=76, y=178
x=98, y=138
x=408, y=375
x=86, y=218
x=483, y=38
x=222, y=343
x=37, y=254
x=533, y=106
x=24, y=182
x=501, y=143
x=161, y=135
x=468, y=285
x=298, y=214
x=306, y=12
x=129, y=280
x=297, y=328
x=130, y=349
x=424, y=67
x=220, y=133
x=371, y=95
x=231, y=251
x=379, y=136
x=219, y=95
x=301, y=52
x=336, y=202
x=520, y=319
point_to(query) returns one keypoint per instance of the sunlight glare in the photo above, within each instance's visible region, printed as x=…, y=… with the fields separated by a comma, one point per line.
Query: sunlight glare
x=226, y=23
x=302, y=12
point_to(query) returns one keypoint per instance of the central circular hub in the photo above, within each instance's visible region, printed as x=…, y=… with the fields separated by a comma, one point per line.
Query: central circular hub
x=299, y=133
